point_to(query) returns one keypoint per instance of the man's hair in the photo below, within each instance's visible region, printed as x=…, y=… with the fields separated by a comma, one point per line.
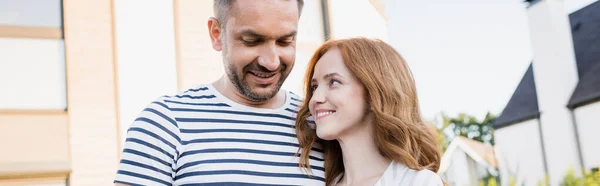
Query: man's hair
x=222, y=7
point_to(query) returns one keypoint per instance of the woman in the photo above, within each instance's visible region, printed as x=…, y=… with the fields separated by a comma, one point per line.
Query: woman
x=363, y=100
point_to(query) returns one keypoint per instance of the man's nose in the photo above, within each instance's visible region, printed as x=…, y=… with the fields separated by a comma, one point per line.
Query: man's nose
x=269, y=57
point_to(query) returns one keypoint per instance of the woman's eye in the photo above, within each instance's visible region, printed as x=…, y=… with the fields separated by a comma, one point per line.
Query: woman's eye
x=334, y=82
x=313, y=88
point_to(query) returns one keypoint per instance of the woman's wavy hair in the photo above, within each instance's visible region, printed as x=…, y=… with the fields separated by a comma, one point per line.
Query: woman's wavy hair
x=400, y=132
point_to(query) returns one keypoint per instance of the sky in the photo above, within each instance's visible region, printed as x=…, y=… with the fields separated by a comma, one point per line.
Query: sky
x=467, y=56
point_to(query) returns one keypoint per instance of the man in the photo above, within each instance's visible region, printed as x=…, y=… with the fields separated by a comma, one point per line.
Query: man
x=238, y=130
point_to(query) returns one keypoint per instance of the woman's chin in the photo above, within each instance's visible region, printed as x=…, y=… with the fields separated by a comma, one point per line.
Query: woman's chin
x=326, y=135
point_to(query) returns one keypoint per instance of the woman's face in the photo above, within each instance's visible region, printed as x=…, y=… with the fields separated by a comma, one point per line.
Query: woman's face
x=338, y=102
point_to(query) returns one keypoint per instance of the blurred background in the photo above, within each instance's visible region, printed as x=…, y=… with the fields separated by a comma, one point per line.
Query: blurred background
x=510, y=87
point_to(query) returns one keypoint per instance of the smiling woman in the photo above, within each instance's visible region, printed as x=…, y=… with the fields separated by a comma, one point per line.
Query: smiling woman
x=366, y=110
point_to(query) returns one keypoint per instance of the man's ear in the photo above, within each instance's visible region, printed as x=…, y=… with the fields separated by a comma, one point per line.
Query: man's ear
x=214, y=30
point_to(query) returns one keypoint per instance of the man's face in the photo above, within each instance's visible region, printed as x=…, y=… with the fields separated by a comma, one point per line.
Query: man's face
x=259, y=46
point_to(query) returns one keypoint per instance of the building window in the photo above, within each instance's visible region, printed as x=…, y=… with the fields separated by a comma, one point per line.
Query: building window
x=32, y=55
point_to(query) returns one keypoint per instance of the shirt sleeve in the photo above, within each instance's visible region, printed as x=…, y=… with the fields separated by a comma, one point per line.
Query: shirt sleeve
x=151, y=148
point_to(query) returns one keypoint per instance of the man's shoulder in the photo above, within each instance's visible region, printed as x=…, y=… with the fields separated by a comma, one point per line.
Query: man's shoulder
x=200, y=92
x=192, y=96
x=294, y=96
x=296, y=99
x=200, y=96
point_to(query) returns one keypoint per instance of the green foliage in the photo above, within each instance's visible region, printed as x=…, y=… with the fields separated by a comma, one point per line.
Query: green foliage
x=512, y=181
x=570, y=179
x=489, y=182
x=588, y=179
x=467, y=126
x=545, y=182
x=492, y=181
x=442, y=139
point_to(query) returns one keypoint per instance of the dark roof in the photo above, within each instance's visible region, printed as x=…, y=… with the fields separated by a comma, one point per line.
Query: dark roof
x=523, y=104
x=588, y=88
x=530, y=3
x=585, y=29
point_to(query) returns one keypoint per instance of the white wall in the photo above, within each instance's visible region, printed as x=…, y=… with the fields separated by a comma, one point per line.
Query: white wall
x=295, y=79
x=310, y=36
x=310, y=25
x=458, y=172
x=588, y=125
x=32, y=74
x=519, y=152
x=353, y=18
x=146, y=67
x=555, y=76
x=197, y=62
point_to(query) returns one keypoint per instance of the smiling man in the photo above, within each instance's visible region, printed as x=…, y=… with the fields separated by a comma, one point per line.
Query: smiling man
x=238, y=130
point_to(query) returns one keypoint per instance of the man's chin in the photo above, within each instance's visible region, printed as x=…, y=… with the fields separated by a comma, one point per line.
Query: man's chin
x=264, y=91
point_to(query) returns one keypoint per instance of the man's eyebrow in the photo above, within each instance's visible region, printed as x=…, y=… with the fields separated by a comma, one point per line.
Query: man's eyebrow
x=252, y=33
x=291, y=34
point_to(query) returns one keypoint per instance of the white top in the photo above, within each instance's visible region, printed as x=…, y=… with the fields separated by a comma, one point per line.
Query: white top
x=398, y=174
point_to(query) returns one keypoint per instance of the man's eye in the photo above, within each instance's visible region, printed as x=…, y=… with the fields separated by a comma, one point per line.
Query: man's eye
x=250, y=42
x=285, y=42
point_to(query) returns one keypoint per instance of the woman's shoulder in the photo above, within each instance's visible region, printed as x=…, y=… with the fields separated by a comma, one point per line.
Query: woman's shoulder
x=426, y=177
x=399, y=174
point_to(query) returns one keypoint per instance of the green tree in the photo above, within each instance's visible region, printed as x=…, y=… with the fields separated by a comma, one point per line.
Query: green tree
x=467, y=126
x=587, y=179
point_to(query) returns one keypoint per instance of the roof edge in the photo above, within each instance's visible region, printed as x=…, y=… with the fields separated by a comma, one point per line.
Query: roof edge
x=497, y=126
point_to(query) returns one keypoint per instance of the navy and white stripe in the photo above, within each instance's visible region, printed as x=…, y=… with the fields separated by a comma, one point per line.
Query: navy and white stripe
x=199, y=137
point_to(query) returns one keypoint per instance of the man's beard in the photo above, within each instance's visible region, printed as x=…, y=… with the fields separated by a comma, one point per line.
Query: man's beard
x=245, y=89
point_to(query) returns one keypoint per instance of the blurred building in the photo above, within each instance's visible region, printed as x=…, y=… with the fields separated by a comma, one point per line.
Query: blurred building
x=74, y=74
x=467, y=161
x=551, y=123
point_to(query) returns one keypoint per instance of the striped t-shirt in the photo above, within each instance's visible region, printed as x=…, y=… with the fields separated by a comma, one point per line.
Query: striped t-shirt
x=199, y=137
